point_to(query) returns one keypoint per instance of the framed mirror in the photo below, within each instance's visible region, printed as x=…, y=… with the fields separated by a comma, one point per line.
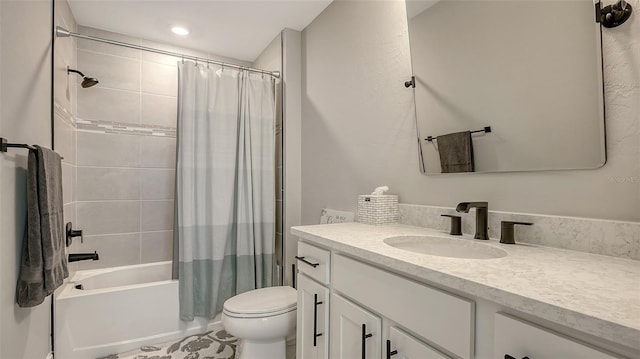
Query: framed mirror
x=503, y=86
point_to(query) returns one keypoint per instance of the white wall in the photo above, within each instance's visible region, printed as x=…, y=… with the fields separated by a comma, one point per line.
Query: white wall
x=25, y=95
x=358, y=130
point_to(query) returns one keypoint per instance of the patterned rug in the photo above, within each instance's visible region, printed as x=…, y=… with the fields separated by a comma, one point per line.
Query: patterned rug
x=216, y=344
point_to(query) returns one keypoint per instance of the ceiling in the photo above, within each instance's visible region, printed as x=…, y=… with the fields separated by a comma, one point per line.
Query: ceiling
x=239, y=29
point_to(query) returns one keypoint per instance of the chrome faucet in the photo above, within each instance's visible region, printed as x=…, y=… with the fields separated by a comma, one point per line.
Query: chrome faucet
x=482, y=217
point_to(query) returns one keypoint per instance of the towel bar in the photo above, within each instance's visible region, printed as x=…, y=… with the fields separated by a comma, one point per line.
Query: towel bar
x=5, y=145
x=486, y=129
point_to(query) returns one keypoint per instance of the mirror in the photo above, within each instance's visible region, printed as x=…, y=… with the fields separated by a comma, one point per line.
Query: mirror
x=503, y=86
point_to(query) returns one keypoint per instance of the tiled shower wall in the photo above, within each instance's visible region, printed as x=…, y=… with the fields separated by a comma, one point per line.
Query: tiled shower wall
x=64, y=108
x=126, y=129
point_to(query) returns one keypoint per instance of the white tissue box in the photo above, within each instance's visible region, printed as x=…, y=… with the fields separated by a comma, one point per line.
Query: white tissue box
x=378, y=209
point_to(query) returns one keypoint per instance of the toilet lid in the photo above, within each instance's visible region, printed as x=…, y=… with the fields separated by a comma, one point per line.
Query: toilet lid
x=263, y=301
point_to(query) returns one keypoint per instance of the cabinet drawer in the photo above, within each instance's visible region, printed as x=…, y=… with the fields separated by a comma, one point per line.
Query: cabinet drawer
x=518, y=339
x=444, y=320
x=314, y=262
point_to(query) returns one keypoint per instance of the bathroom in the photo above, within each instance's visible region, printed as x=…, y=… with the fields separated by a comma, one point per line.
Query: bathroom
x=344, y=124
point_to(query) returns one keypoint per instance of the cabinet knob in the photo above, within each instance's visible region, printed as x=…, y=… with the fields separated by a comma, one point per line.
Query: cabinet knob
x=390, y=352
x=507, y=356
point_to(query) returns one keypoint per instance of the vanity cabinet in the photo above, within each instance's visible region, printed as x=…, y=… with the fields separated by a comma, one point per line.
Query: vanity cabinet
x=348, y=309
x=519, y=339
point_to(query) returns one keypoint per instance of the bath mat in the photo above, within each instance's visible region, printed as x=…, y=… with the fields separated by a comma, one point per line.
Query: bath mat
x=217, y=344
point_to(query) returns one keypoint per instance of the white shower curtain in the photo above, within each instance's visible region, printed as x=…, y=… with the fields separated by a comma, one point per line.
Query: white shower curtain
x=225, y=186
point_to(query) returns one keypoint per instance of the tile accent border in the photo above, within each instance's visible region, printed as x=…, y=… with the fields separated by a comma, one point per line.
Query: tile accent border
x=125, y=128
x=64, y=114
x=597, y=236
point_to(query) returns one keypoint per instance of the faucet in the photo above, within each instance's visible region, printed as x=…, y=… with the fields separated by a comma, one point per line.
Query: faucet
x=76, y=257
x=482, y=217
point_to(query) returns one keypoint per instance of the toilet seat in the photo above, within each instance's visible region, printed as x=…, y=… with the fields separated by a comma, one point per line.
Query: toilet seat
x=262, y=303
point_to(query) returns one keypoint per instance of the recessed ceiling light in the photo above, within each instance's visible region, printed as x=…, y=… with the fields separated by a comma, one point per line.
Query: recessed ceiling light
x=178, y=30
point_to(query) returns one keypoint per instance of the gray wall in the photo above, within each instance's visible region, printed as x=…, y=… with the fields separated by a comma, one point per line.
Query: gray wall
x=25, y=98
x=292, y=120
x=358, y=130
x=271, y=59
x=126, y=150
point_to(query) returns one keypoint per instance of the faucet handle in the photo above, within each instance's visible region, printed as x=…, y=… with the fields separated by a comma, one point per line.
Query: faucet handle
x=456, y=224
x=71, y=233
x=507, y=231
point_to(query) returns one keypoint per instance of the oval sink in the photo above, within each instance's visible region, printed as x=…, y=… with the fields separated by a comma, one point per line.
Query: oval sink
x=445, y=247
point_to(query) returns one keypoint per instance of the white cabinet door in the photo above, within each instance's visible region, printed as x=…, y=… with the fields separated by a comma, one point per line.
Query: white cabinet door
x=407, y=347
x=355, y=333
x=312, y=340
x=518, y=339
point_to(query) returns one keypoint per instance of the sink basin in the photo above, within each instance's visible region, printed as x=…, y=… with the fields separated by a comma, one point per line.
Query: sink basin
x=445, y=247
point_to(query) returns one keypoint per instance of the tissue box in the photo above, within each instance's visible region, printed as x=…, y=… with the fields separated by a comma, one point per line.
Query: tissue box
x=378, y=209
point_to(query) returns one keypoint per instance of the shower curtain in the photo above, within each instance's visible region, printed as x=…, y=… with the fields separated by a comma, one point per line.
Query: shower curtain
x=225, y=186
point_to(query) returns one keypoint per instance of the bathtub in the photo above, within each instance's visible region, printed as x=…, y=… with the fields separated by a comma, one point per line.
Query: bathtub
x=119, y=309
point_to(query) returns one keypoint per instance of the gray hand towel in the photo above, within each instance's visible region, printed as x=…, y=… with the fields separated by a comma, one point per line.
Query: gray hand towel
x=43, y=266
x=456, y=152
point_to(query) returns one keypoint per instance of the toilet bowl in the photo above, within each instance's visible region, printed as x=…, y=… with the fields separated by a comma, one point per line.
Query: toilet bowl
x=261, y=319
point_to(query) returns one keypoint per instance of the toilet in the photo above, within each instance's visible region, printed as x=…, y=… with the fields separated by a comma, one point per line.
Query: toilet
x=261, y=319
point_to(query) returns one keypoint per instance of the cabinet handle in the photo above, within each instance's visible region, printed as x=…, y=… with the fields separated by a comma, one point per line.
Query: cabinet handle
x=389, y=352
x=307, y=262
x=315, y=319
x=365, y=335
x=507, y=356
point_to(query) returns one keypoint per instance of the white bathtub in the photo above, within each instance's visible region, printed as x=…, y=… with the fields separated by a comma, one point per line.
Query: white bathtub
x=119, y=309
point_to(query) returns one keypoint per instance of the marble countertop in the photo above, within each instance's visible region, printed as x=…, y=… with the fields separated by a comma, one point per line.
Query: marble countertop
x=595, y=294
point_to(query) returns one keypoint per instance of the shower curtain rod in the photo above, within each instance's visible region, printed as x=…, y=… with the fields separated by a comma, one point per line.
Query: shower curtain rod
x=62, y=32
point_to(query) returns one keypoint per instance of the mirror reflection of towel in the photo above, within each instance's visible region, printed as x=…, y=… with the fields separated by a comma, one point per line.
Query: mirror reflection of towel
x=456, y=152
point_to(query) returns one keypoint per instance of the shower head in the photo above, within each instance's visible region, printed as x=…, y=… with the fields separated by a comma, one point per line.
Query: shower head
x=89, y=81
x=86, y=81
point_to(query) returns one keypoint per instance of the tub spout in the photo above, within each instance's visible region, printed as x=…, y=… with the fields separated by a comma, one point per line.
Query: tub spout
x=75, y=257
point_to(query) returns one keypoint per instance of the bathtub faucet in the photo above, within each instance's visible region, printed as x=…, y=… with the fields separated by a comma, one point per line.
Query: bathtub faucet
x=75, y=257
